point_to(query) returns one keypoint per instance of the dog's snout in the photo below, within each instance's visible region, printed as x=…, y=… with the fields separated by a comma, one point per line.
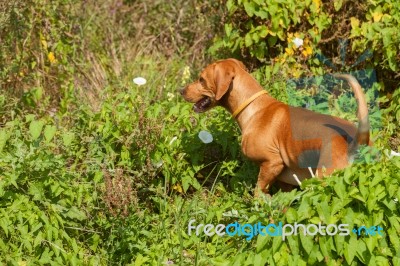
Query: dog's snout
x=182, y=91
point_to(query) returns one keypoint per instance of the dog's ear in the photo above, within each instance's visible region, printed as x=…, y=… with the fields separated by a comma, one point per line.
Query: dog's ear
x=223, y=75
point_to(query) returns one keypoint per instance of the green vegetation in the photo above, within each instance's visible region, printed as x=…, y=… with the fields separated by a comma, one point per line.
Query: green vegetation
x=97, y=170
x=265, y=30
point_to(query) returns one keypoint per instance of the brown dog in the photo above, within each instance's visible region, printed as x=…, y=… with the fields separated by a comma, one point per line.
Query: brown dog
x=284, y=140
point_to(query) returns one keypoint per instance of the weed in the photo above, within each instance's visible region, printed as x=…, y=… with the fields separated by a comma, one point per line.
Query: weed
x=118, y=192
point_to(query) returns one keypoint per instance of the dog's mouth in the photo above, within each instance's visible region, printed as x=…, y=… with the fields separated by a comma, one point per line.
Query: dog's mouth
x=202, y=105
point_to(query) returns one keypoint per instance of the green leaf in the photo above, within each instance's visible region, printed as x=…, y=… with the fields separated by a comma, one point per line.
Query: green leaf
x=362, y=252
x=338, y=4
x=340, y=190
x=49, y=132
x=339, y=243
x=228, y=29
x=260, y=50
x=315, y=255
x=250, y=7
x=263, y=14
x=273, y=8
x=306, y=242
x=35, y=129
x=37, y=94
x=140, y=260
x=394, y=238
x=350, y=249
x=396, y=261
x=371, y=243
x=29, y=117
x=276, y=68
x=95, y=239
x=196, y=184
x=186, y=180
x=275, y=24
x=324, y=211
x=240, y=260
x=3, y=245
x=68, y=138
x=326, y=245
x=27, y=244
x=276, y=244
x=262, y=242
x=262, y=258
x=38, y=239
x=291, y=215
x=37, y=191
x=248, y=40
x=230, y=5
x=262, y=31
x=293, y=243
x=4, y=223
x=371, y=202
x=75, y=213
x=36, y=227
x=45, y=257
x=380, y=260
x=13, y=179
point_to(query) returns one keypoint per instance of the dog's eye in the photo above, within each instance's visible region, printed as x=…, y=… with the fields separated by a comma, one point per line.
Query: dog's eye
x=201, y=80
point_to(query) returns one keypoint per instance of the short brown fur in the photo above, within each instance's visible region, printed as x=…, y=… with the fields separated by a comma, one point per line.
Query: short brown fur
x=283, y=140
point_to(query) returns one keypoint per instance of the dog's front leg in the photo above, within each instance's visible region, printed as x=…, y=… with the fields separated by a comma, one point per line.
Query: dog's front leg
x=269, y=171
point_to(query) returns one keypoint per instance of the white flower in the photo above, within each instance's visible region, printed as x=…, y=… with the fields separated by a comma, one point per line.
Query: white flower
x=170, y=96
x=139, y=81
x=205, y=136
x=298, y=42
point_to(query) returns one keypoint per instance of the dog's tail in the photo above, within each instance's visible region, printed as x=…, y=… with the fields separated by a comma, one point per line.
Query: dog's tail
x=362, y=136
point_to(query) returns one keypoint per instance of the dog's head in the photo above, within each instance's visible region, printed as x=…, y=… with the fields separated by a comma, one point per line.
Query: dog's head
x=214, y=82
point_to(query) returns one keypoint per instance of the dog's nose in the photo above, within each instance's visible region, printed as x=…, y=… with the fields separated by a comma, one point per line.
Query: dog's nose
x=182, y=91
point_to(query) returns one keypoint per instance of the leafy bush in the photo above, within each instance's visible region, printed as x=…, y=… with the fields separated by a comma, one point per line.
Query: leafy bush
x=46, y=203
x=267, y=30
x=357, y=196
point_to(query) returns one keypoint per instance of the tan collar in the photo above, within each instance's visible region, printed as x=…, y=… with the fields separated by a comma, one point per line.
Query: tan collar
x=247, y=102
